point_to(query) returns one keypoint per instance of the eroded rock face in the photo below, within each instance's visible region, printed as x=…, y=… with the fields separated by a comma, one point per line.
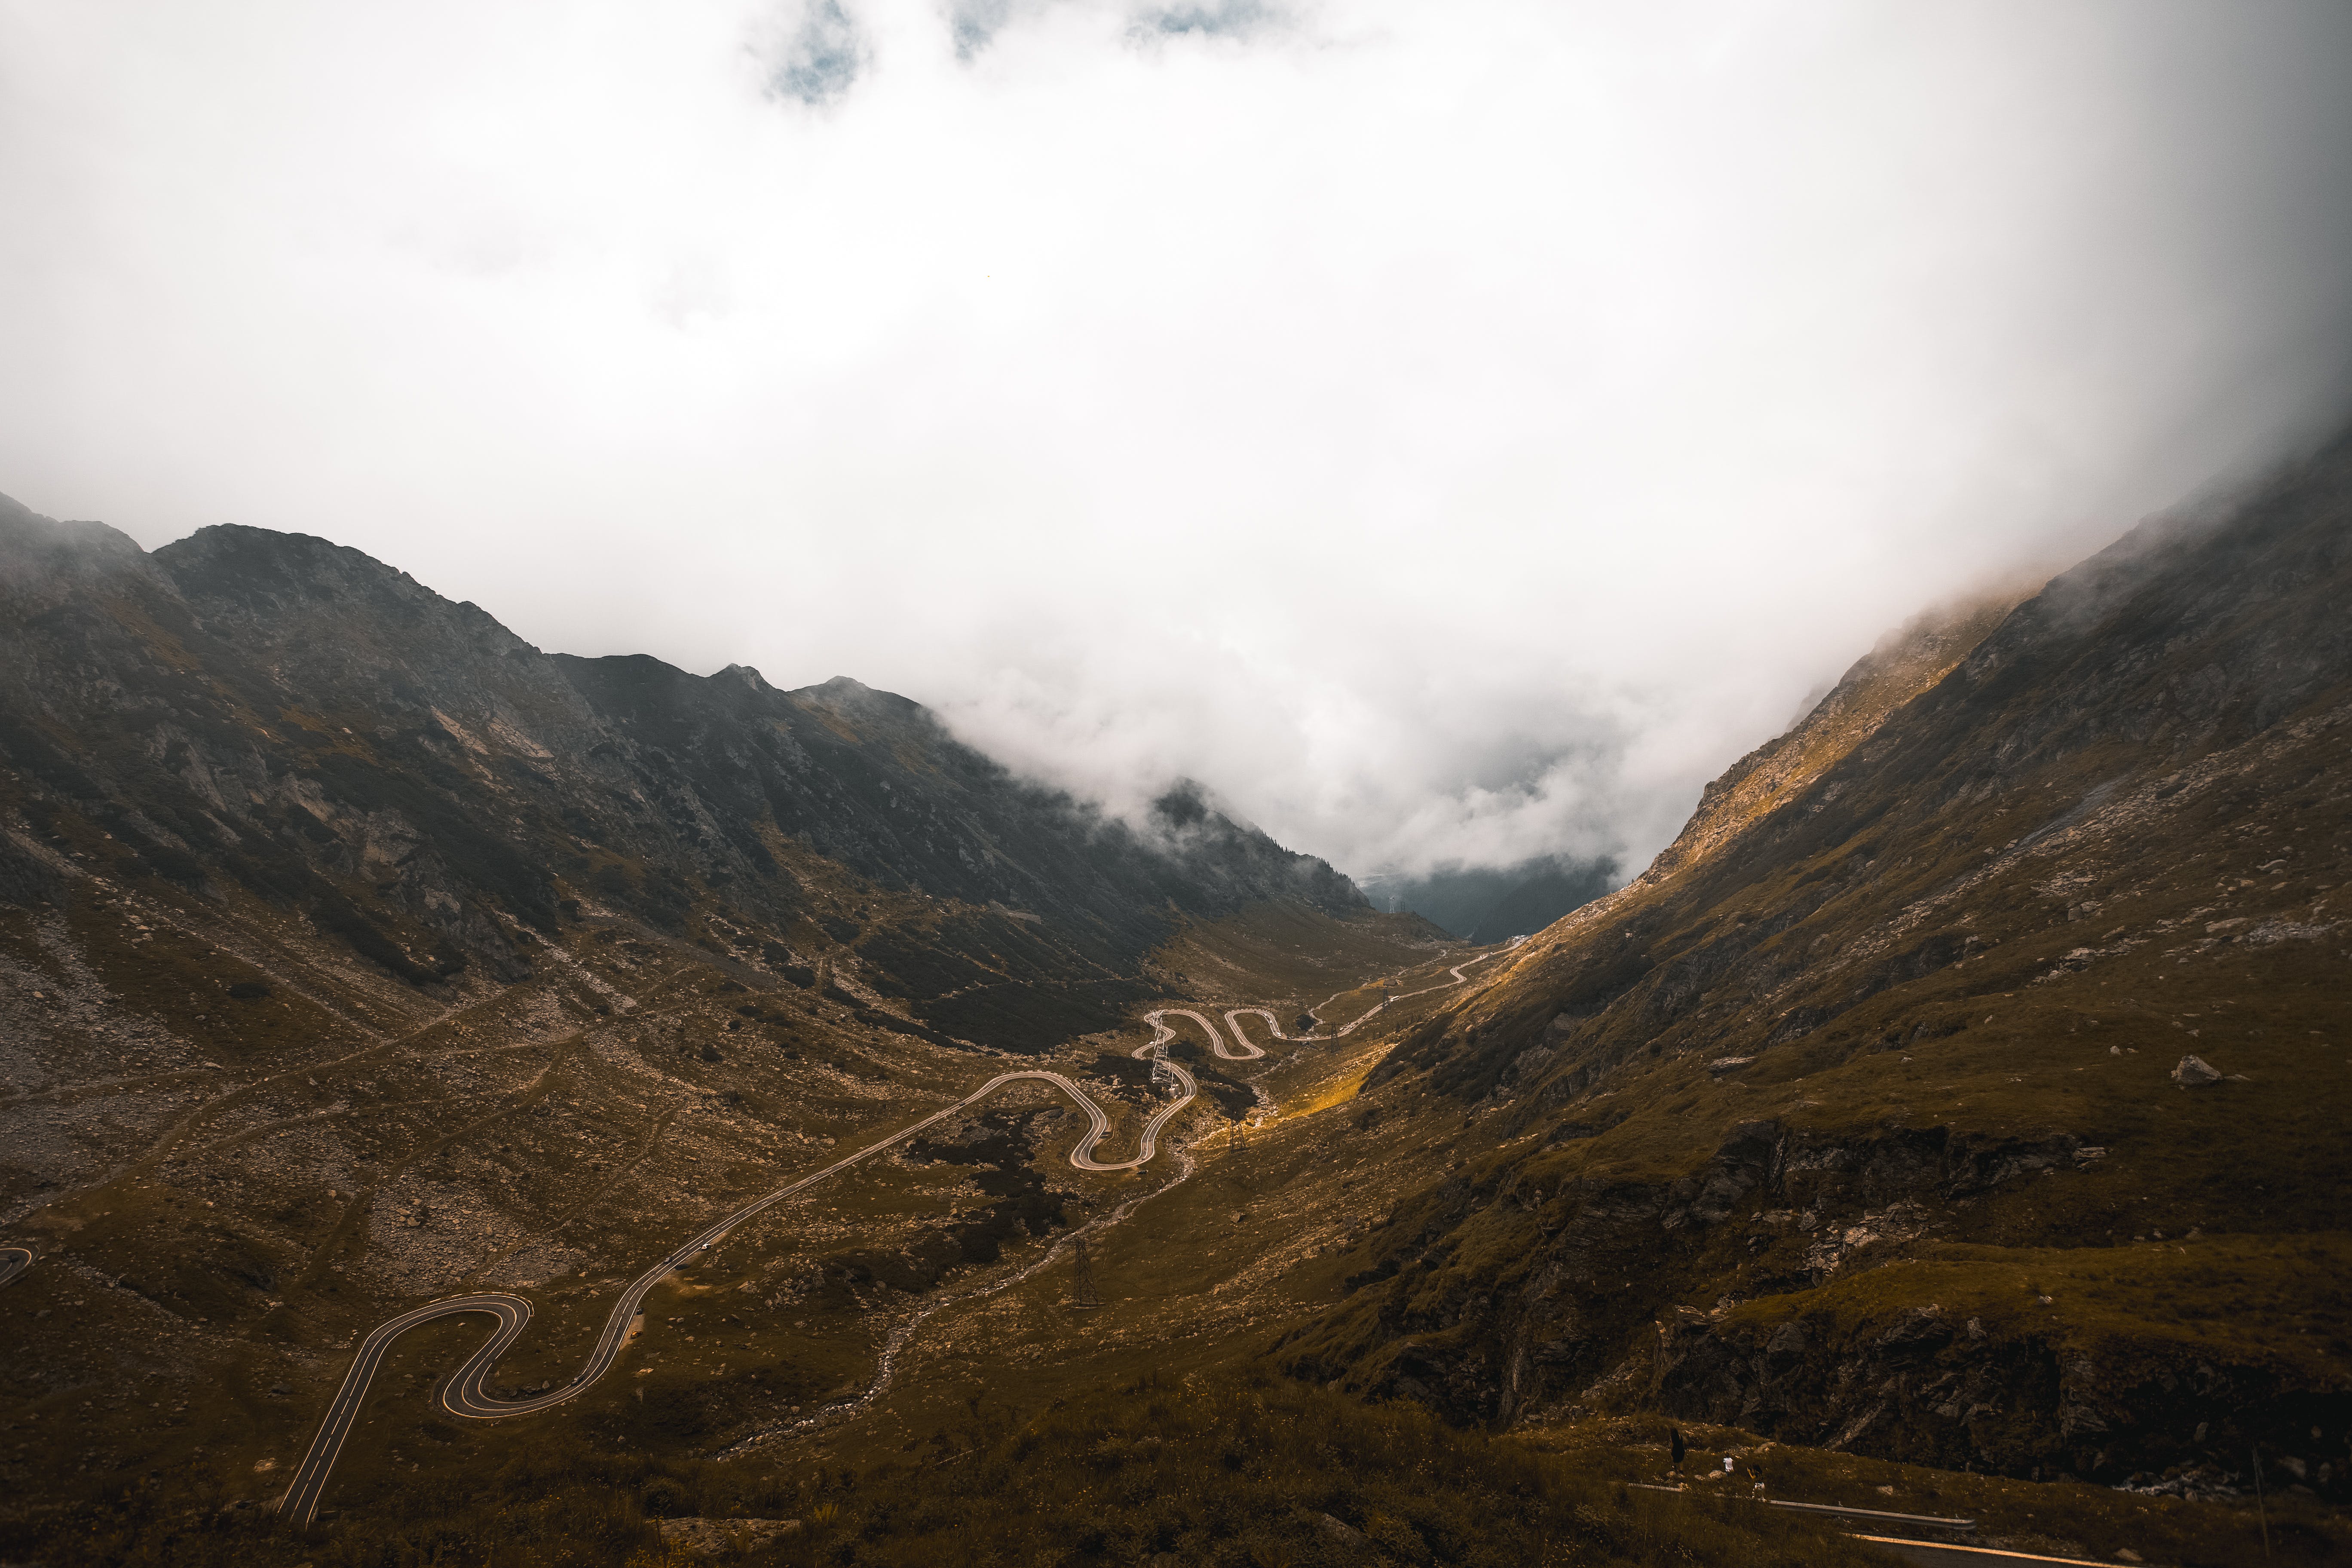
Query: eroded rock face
x=1930, y=1389
x=1826, y=1350
x=1805, y=1207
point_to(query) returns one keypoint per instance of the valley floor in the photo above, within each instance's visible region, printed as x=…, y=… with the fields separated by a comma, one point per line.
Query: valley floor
x=222, y=1210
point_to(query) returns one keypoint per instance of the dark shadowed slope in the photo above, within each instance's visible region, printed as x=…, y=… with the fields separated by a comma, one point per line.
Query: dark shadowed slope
x=278, y=713
x=1484, y=904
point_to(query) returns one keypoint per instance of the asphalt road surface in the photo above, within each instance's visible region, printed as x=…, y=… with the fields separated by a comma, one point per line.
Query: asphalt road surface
x=1233, y=1017
x=1938, y=1554
x=1926, y=1553
x=469, y=1393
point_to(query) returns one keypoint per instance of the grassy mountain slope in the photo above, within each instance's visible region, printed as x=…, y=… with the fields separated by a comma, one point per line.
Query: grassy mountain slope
x=1854, y=1120
x=353, y=952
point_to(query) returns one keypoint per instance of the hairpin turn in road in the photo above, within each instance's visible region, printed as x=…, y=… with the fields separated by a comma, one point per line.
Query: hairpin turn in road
x=469, y=1394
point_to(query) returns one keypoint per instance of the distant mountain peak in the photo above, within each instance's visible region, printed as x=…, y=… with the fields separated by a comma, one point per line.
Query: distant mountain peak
x=743, y=674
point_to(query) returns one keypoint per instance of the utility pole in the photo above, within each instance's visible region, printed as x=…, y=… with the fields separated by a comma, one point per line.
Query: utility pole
x=1238, y=1145
x=1082, y=1281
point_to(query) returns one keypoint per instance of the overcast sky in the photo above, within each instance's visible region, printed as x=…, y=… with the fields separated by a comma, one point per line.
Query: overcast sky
x=1453, y=431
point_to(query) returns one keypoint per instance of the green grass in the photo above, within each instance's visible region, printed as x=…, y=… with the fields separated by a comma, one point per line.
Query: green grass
x=2274, y=1301
x=1234, y=1471
x=2065, y=1518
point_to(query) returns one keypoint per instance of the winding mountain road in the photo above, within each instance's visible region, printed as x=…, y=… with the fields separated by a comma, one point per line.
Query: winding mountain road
x=467, y=1392
x=13, y=1260
x=1234, y=1016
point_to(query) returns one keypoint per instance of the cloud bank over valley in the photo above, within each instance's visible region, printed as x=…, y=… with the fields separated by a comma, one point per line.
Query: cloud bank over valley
x=1451, y=434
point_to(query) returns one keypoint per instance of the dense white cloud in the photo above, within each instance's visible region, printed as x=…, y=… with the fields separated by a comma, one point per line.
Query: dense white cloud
x=1452, y=432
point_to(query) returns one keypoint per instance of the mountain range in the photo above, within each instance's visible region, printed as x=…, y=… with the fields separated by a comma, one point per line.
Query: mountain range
x=277, y=717
x=1953, y=1114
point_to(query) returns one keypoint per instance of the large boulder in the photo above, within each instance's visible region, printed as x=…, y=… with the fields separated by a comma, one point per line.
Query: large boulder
x=2194, y=1072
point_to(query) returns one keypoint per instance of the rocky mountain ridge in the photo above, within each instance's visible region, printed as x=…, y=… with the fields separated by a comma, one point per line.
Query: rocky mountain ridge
x=355, y=954
x=290, y=718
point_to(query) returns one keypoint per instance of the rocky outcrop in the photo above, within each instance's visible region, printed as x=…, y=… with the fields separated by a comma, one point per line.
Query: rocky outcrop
x=1935, y=1387
x=2194, y=1073
x=1795, y=1209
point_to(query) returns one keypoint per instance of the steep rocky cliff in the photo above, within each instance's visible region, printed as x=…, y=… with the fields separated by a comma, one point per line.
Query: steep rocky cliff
x=1867, y=1117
